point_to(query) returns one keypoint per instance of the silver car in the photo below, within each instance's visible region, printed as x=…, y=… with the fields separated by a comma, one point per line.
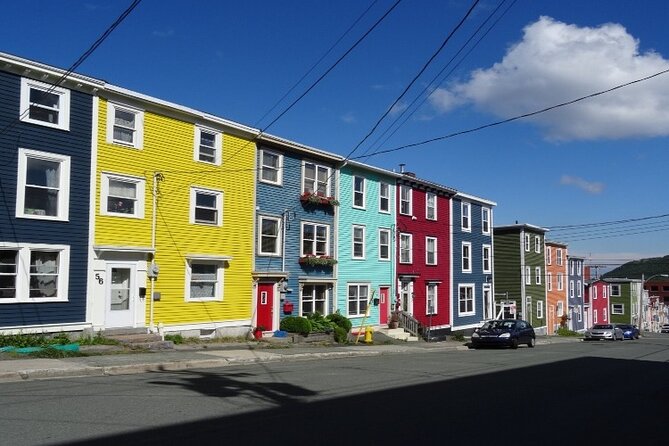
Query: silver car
x=609, y=332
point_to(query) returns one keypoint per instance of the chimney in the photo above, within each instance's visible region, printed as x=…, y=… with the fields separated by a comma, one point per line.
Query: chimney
x=402, y=167
x=586, y=273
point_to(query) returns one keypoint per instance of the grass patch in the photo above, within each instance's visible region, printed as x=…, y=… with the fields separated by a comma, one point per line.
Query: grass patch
x=98, y=339
x=562, y=331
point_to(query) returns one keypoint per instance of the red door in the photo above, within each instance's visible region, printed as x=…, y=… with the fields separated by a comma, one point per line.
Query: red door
x=265, y=306
x=384, y=294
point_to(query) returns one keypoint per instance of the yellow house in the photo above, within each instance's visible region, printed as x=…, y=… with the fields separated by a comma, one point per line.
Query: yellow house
x=172, y=244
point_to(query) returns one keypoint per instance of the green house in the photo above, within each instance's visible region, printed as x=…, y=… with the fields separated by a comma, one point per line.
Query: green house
x=624, y=297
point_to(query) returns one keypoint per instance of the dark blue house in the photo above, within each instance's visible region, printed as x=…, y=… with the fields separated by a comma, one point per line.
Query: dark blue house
x=295, y=261
x=473, y=293
x=576, y=292
x=46, y=127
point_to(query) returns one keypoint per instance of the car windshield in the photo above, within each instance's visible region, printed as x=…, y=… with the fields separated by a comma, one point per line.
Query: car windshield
x=602, y=326
x=503, y=325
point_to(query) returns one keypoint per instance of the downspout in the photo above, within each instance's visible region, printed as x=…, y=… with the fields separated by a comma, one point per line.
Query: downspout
x=157, y=176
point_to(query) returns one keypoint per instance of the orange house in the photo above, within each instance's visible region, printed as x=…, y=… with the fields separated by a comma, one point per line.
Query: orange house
x=556, y=285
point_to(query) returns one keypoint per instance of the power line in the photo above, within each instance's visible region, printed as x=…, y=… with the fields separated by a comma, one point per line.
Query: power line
x=604, y=223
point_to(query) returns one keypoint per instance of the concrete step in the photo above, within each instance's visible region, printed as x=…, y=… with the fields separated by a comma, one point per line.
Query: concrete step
x=109, y=332
x=147, y=341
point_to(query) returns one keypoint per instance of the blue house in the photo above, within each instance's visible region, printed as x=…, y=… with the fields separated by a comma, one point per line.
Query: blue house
x=576, y=292
x=295, y=263
x=46, y=126
x=472, y=261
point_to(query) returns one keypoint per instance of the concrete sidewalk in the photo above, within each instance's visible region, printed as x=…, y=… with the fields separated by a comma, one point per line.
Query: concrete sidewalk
x=184, y=357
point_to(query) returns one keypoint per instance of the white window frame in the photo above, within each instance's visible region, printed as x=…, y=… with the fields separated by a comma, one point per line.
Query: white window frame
x=549, y=281
x=387, y=245
x=537, y=244
x=409, y=251
x=579, y=268
x=314, y=243
x=361, y=194
x=406, y=201
x=605, y=291
x=528, y=275
x=466, y=216
x=63, y=108
x=194, y=191
x=431, y=295
x=559, y=256
x=63, y=184
x=466, y=257
x=595, y=319
x=485, y=220
x=140, y=187
x=578, y=289
x=617, y=308
x=358, y=299
x=23, y=272
x=616, y=290
x=540, y=309
x=486, y=258
x=560, y=308
x=138, y=139
x=278, y=221
x=571, y=267
x=326, y=297
x=580, y=313
x=605, y=312
x=355, y=241
x=317, y=168
x=218, y=291
x=549, y=254
x=527, y=242
x=431, y=205
x=264, y=167
x=217, y=145
x=594, y=292
x=571, y=289
x=560, y=281
x=384, y=197
x=471, y=312
x=434, y=251
x=537, y=275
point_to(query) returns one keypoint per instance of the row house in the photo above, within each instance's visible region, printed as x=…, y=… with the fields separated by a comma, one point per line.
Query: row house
x=556, y=288
x=577, y=308
x=625, y=298
x=520, y=265
x=597, y=294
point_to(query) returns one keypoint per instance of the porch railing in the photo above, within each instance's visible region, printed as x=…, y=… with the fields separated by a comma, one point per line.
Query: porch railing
x=409, y=323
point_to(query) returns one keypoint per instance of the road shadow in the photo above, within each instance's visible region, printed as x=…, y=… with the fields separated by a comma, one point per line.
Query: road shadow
x=579, y=401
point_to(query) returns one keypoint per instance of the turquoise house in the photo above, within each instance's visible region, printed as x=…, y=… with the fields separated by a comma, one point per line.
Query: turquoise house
x=365, y=244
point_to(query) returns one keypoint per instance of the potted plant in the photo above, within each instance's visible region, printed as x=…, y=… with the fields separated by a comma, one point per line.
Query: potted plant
x=257, y=332
x=394, y=321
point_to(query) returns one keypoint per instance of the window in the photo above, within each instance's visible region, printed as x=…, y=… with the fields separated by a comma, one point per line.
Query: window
x=605, y=290
x=537, y=275
x=537, y=244
x=560, y=281
x=527, y=242
x=358, y=192
x=431, y=206
x=548, y=255
x=431, y=300
x=384, y=244
x=579, y=268
x=594, y=292
x=540, y=309
x=466, y=300
x=207, y=146
x=528, y=275
x=44, y=104
x=206, y=207
x=315, y=239
x=270, y=236
x=125, y=126
x=487, y=265
x=571, y=267
x=579, y=313
x=466, y=222
x=578, y=288
x=33, y=273
x=430, y=251
x=594, y=316
x=615, y=290
x=466, y=257
x=122, y=196
x=316, y=179
x=314, y=299
x=384, y=197
x=43, y=185
x=406, y=255
x=358, y=296
x=405, y=200
x=560, y=308
x=605, y=314
x=559, y=256
x=571, y=289
x=485, y=220
x=618, y=309
x=358, y=242
x=204, y=280
x=271, y=167
x=549, y=281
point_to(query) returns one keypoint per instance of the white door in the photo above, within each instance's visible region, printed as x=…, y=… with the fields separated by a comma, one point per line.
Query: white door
x=406, y=296
x=121, y=296
x=488, y=304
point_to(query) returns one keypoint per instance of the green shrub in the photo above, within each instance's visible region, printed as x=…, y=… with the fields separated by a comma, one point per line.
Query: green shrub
x=563, y=331
x=175, y=338
x=98, y=339
x=320, y=324
x=458, y=337
x=296, y=324
x=340, y=321
x=24, y=340
x=340, y=335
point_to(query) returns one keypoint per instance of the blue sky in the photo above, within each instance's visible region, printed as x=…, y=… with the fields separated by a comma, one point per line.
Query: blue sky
x=600, y=160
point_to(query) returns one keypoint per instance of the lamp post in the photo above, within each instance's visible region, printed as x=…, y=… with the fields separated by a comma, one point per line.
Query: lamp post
x=643, y=288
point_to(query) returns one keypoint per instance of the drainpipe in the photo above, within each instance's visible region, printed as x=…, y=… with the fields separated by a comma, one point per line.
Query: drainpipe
x=157, y=176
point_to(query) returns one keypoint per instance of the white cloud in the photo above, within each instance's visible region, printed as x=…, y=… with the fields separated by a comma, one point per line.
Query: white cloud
x=556, y=62
x=588, y=186
x=348, y=118
x=398, y=108
x=167, y=33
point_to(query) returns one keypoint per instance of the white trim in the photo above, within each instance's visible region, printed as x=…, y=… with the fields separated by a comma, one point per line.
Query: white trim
x=537, y=244
x=363, y=192
x=485, y=210
x=436, y=251
x=218, y=292
x=138, y=135
x=540, y=309
x=209, y=257
x=317, y=166
x=358, y=300
x=473, y=299
x=466, y=211
x=483, y=258
x=63, y=107
x=388, y=197
x=528, y=275
x=622, y=309
x=45, y=328
x=119, y=248
x=353, y=242
x=279, y=167
x=218, y=145
x=427, y=206
x=435, y=310
x=409, y=199
x=527, y=242
x=410, y=239
x=140, y=188
x=389, y=245
x=279, y=222
x=469, y=257
x=327, y=237
x=62, y=213
x=537, y=275
x=218, y=194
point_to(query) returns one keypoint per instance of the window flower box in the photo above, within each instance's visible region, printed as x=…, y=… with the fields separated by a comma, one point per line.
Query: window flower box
x=312, y=260
x=318, y=198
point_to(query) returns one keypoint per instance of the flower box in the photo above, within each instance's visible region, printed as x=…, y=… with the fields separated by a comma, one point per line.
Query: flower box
x=311, y=260
x=318, y=199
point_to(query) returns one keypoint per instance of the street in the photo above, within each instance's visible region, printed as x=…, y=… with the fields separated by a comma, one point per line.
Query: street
x=574, y=392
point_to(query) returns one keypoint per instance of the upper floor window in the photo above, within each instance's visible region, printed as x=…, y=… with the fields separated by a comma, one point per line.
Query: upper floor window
x=558, y=255
x=537, y=275
x=125, y=125
x=466, y=257
x=485, y=220
x=579, y=268
x=316, y=179
x=406, y=242
x=540, y=309
x=527, y=242
x=315, y=239
x=358, y=192
x=207, y=146
x=528, y=275
x=430, y=251
x=615, y=290
x=594, y=292
x=549, y=281
x=431, y=298
x=45, y=104
x=270, y=236
x=384, y=197
x=466, y=220
x=578, y=288
x=384, y=244
x=571, y=288
x=605, y=290
x=560, y=281
x=206, y=206
x=549, y=253
x=571, y=267
x=122, y=196
x=537, y=243
x=405, y=199
x=358, y=242
x=33, y=273
x=271, y=167
x=43, y=185
x=617, y=309
x=487, y=265
x=431, y=206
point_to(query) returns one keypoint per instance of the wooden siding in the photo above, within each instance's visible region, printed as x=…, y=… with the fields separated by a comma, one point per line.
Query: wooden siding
x=75, y=143
x=554, y=296
x=576, y=301
x=508, y=277
x=168, y=148
x=625, y=299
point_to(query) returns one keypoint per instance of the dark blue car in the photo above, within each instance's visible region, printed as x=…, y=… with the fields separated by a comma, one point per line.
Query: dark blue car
x=629, y=331
x=504, y=333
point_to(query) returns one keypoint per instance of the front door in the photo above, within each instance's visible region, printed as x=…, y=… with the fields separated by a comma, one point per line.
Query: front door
x=488, y=304
x=121, y=295
x=406, y=296
x=265, y=306
x=384, y=294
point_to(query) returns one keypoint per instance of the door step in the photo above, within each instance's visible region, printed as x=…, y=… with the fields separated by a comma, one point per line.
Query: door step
x=141, y=340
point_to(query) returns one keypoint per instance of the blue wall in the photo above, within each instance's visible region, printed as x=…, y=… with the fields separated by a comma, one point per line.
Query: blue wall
x=576, y=301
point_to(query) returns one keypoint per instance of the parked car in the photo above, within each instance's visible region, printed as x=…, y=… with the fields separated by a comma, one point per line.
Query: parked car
x=629, y=331
x=665, y=328
x=504, y=332
x=604, y=331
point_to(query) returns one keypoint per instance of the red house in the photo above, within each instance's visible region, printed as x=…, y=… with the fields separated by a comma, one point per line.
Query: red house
x=424, y=255
x=597, y=292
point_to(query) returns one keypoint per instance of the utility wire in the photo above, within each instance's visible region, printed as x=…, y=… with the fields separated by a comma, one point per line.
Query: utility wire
x=604, y=223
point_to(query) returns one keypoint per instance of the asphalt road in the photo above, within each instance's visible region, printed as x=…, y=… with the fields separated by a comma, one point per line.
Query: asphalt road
x=571, y=393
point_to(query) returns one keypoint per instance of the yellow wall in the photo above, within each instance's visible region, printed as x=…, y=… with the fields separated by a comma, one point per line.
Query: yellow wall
x=168, y=147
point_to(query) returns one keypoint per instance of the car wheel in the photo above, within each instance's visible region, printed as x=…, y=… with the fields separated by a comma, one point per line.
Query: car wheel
x=532, y=343
x=514, y=343
x=622, y=338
